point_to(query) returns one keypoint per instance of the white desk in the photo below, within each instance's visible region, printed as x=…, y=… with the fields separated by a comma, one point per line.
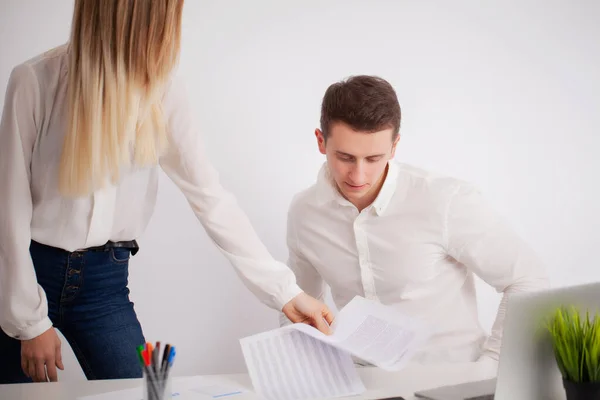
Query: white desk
x=379, y=383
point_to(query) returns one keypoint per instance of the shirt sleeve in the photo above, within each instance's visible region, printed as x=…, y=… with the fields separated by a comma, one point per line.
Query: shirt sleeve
x=187, y=165
x=308, y=278
x=478, y=238
x=24, y=306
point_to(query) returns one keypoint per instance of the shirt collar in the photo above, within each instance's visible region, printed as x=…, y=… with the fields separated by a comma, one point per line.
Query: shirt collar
x=388, y=189
x=327, y=191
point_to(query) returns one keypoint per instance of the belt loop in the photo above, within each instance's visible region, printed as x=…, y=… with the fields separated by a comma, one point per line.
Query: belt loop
x=135, y=248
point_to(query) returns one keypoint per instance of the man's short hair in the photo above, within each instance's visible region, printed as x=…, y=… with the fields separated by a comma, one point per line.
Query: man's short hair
x=365, y=103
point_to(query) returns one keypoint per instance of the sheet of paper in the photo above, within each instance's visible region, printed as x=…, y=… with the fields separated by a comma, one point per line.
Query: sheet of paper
x=287, y=364
x=378, y=334
x=373, y=332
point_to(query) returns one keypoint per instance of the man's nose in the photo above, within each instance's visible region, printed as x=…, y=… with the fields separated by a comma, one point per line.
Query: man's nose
x=357, y=173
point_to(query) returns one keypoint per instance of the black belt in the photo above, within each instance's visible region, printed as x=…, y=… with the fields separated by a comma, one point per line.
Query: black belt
x=126, y=244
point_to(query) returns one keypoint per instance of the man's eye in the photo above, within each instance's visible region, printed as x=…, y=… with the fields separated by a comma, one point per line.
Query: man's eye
x=374, y=159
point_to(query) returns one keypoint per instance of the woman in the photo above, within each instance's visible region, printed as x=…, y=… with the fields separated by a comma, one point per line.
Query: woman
x=83, y=129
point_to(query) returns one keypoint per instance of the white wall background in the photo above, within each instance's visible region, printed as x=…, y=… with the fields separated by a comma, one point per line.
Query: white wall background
x=505, y=94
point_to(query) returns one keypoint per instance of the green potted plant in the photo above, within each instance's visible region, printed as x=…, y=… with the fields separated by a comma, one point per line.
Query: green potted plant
x=576, y=344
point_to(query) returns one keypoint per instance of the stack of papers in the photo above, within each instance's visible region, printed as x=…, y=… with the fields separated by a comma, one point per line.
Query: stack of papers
x=297, y=362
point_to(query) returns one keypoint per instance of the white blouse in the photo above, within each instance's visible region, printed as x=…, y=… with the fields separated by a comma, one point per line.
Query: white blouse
x=31, y=135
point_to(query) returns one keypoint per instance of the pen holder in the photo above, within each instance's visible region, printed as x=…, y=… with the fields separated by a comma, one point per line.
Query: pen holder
x=156, y=386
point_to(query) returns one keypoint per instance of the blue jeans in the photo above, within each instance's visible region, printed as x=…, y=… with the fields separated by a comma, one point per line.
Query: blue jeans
x=88, y=302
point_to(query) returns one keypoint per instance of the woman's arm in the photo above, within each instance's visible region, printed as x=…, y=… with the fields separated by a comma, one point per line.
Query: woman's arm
x=24, y=307
x=188, y=167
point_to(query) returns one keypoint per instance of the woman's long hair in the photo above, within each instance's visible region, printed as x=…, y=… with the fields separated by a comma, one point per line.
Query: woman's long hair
x=121, y=54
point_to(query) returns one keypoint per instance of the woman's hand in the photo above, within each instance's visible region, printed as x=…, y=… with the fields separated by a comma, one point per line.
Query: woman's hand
x=306, y=309
x=40, y=354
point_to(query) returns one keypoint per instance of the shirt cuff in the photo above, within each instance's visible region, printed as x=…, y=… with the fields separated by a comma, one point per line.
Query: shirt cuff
x=30, y=332
x=284, y=297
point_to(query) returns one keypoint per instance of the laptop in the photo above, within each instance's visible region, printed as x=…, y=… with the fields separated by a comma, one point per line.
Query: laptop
x=527, y=368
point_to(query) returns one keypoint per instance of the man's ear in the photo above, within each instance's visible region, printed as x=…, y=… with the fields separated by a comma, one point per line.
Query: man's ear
x=394, y=144
x=320, y=140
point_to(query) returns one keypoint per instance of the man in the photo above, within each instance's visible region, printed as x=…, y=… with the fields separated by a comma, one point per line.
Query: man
x=405, y=237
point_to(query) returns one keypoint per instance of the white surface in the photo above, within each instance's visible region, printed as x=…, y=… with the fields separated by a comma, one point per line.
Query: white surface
x=503, y=94
x=379, y=383
x=192, y=388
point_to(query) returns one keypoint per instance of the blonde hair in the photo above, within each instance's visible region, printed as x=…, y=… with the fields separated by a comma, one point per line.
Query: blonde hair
x=120, y=55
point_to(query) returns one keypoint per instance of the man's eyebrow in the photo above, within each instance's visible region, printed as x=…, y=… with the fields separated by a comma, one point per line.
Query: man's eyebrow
x=341, y=153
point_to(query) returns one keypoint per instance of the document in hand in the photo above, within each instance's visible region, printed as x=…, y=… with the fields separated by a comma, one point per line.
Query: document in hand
x=299, y=362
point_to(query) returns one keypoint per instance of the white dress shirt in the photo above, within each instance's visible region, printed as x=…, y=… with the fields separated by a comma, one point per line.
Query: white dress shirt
x=416, y=248
x=31, y=135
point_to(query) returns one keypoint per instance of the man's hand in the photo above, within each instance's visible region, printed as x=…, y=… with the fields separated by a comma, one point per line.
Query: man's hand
x=41, y=353
x=306, y=309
